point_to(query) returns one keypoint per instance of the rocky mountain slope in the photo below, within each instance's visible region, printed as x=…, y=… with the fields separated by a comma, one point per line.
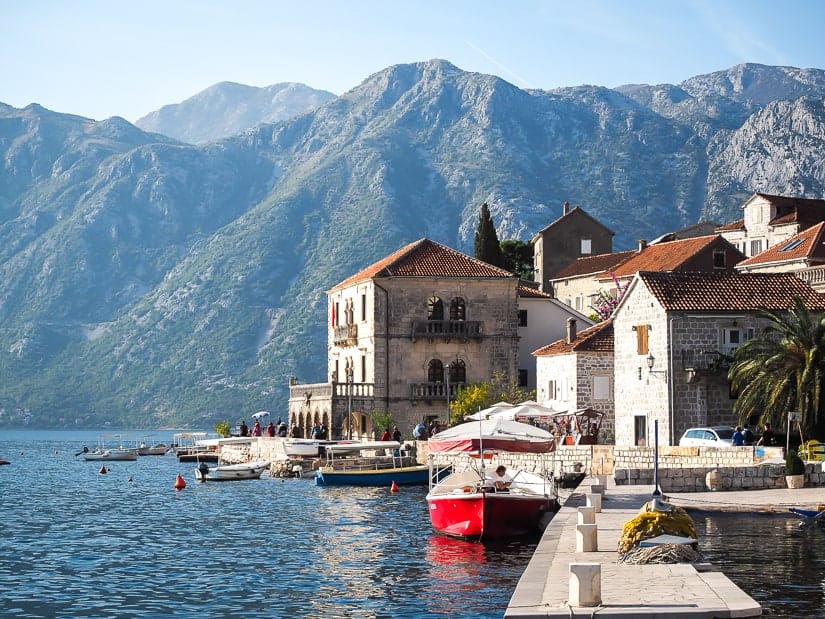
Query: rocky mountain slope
x=226, y=109
x=148, y=282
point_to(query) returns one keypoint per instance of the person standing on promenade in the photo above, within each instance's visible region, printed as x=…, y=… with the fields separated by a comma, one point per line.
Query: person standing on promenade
x=738, y=439
x=244, y=429
x=256, y=428
x=767, y=439
x=270, y=429
x=396, y=434
x=747, y=435
x=386, y=436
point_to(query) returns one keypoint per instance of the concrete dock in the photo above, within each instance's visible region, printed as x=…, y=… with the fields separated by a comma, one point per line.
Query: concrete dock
x=658, y=590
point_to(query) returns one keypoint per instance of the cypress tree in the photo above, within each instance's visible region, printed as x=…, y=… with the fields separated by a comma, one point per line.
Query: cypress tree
x=486, y=246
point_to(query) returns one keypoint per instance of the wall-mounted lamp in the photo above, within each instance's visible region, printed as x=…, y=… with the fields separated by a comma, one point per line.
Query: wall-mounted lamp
x=651, y=360
x=690, y=375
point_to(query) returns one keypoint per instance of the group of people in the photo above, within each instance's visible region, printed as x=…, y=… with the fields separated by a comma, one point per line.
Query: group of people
x=272, y=429
x=320, y=432
x=395, y=435
x=744, y=436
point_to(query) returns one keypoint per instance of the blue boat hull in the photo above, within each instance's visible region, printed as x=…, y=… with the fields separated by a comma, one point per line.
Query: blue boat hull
x=408, y=476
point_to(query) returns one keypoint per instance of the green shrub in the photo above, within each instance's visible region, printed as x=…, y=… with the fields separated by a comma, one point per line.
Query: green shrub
x=794, y=464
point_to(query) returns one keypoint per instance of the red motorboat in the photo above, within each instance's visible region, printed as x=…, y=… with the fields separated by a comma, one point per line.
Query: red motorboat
x=465, y=504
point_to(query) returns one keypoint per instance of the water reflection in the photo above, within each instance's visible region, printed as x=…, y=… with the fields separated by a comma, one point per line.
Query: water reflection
x=767, y=555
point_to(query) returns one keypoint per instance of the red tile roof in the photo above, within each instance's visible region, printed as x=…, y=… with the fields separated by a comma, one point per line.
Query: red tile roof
x=426, y=258
x=528, y=292
x=598, y=338
x=734, y=292
x=592, y=265
x=739, y=224
x=664, y=256
x=807, y=245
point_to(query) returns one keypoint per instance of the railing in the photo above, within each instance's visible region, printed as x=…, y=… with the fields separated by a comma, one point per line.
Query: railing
x=814, y=277
x=357, y=390
x=446, y=329
x=346, y=335
x=705, y=360
x=433, y=391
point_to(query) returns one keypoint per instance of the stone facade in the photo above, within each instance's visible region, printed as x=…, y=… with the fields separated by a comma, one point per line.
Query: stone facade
x=573, y=235
x=386, y=353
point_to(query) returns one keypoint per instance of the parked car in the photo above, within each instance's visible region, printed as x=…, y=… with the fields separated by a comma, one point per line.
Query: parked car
x=716, y=436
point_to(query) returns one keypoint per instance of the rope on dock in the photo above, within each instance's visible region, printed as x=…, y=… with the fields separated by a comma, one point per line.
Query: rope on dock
x=664, y=553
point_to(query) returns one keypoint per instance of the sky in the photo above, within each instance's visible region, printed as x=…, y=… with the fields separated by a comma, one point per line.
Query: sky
x=102, y=58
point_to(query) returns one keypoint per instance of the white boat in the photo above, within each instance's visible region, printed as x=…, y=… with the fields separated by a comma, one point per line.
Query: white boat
x=231, y=472
x=101, y=452
x=153, y=449
x=301, y=447
x=345, y=447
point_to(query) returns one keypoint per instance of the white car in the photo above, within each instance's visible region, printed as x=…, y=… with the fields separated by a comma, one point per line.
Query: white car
x=716, y=436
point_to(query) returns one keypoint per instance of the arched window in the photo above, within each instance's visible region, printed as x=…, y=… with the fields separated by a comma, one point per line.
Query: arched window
x=457, y=309
x=458, y=371
x=435, y=309
x=435, y=371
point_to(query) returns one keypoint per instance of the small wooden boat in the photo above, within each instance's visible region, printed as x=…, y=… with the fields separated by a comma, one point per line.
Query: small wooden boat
x=103, y=453
x=301, y=448
x=156, y=449
x=231, y=472
x=374, y=463
x=466, y=504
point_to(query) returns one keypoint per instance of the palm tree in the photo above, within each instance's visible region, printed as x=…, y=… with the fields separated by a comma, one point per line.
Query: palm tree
x=783, y=369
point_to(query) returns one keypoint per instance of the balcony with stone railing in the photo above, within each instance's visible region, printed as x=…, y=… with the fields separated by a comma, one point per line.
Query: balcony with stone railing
x=433, y=391
x=814, y=277
x=346, y=335
x=446, y=329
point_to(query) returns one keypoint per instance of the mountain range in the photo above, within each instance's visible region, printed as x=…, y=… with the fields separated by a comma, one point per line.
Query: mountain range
x=172, y=275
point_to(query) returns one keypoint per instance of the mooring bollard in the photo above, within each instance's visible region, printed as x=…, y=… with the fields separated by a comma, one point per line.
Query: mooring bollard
x=597, y=489
x=586, y=538
x=602, y=481
x=595, y=501
x=585, y=584
x=587, y=515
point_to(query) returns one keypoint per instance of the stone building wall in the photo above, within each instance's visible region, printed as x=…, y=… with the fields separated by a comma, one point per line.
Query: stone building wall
x=637, y=391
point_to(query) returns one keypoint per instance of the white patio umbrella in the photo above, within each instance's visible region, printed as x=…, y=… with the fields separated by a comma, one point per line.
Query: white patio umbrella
x=260, y=415
x=490, y=411
x=525, y=410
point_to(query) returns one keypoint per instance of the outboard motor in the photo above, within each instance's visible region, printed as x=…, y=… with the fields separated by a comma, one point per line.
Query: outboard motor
x=203, y=468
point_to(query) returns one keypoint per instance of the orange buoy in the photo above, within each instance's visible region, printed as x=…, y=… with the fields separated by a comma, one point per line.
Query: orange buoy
x=394, y=487
x=180, y=484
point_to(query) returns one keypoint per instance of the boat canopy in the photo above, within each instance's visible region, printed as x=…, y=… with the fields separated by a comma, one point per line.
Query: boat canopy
x=501, y=434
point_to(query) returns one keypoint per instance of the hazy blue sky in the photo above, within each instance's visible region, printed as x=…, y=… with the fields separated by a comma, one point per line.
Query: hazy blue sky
x=111, y=57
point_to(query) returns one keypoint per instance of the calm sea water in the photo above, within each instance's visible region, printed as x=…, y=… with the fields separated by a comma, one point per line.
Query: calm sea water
x=75, y=543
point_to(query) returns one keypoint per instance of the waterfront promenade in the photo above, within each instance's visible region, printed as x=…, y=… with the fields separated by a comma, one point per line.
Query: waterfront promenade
x=661, y=590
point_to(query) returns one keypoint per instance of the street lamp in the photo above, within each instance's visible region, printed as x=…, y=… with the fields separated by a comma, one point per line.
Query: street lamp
x=349, y=403
x=447, y=376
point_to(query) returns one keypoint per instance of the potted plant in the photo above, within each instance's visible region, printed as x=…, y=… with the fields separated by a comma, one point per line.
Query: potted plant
x=794, y=470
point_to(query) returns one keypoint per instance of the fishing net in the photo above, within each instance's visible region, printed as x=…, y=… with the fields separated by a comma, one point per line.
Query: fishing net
x=650, y=524
x=665, y=553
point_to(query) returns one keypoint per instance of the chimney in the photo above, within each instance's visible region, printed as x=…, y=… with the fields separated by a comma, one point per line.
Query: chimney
x=642, y=244
x=566, y=208
x=571, y=330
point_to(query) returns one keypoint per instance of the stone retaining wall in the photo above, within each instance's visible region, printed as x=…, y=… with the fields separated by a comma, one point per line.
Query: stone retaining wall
x=681, y=469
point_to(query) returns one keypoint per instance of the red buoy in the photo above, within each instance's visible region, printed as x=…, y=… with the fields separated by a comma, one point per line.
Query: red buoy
x=180, y=484
x=394, y=487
